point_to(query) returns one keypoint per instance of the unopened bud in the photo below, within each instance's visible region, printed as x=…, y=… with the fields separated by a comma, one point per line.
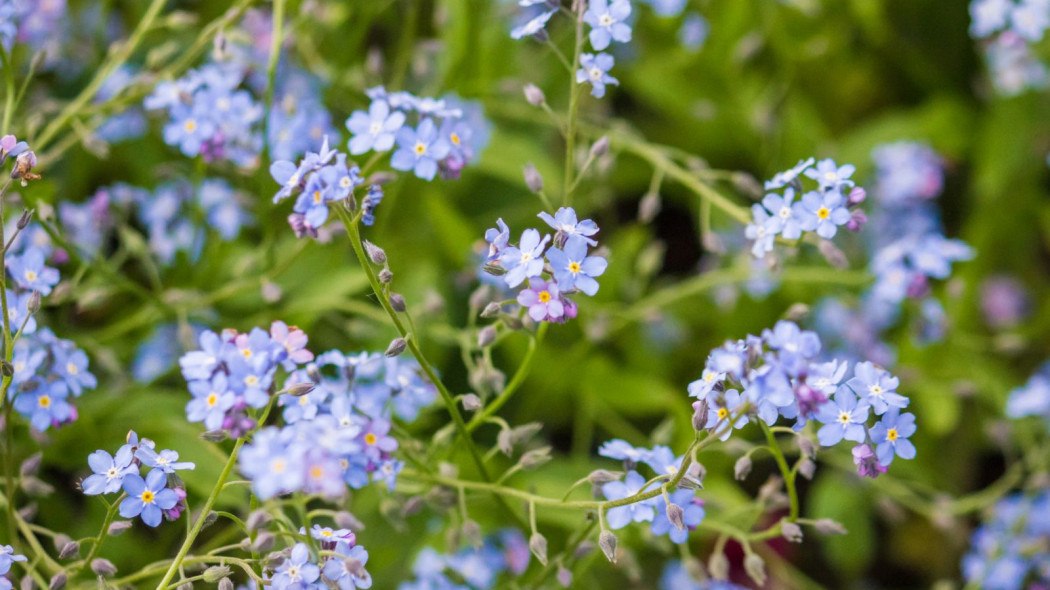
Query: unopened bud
x=700, y=411
x=600, y=147
x=70, y=550
x=533, y=179
x=31, y=466
x=807, y=468
x=601, y=477
x=375, y=253
x=385, y=276
x=534, y=458
x=718, y=566
x=397, y=346
x=649, y=207
x=210, y=518
x=694, y=568
x=833, y=255
x=491, y=310
x=6, y=368
x=397, y=301
x=564, y=577
x=226, y=584
x=471, y=402
x=826, y=526
x=676, y=515
x=33, y=305
x=755, y=567
x=807, y=447
x=60, y=540
x=472, y=533
x=607, y=541
x=215, y=436
x=118, y=527
x=857, y=195
x=103, y=567
x=299, y=389
x=24, y=219
x=486, y=336
x=742, y=468
x=347, y=520
x=791, y=531
x=58, y=581
x=264, y=542
x=215, y=573
x=538, y=546
x=534, y=95
x=480, y=297
x=413, y=505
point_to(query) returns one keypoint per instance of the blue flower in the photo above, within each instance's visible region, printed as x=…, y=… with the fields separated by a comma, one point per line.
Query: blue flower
x=348, y=570
x=843, y=418
x=989, y=16
x=761, y=230
x=147, y=498
x=497, y=238
x=707, y=382
x=622, y=450
x=1029, y=19
x=692, y=515
x=782, y=218
x=189, y=128
x=166, y=461
x=30, y=273
x=268, y=464
x=724, y=407
x=782, y=179
x=376, y=439
x=296, y=572
x=289, y=176
x=822, y=212
x=595, y=69
x=109, y=471
x=573, y=269
x=831, y=176
x=419, y=150
x=566, y=225
x=877, y=387
x=525, y=260
x=621, y=516
x=211, y=400
x=532, y=26
x=608, y=22
x=7, y=557
x=891, y=434
x=313, y=202
x=374, y=130
x=72, y=365
x=45, y=405
x=200, y=364
x=369, y=204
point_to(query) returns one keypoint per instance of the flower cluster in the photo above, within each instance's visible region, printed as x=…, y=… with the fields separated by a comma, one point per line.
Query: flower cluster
x=447, y=135
x=298, y=120
x=320, y=178
x=160, y=494
x=34, y=23
x=1009, y=29
x=167, y=216
x=1033, y=399
x=209, y=115
x=657, y=511
x=1008, y=551
x=780, y=373
x=8, y=557
x=553, y=273
x=822, y=210
x=472, y=568
x=341, y=566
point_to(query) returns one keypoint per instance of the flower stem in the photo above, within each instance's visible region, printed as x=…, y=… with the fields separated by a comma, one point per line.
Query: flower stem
x=515, y=382
x=574, y=100
x=788, y=473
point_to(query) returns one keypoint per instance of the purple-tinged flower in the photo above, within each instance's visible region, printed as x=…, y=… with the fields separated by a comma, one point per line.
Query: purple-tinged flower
x=525, y=260
x=843, y=418
x=10, y=146
x=166, y=461
x=293, y=340
x=830, y=175
x=782, y=179
x=877, y=387
x=891, y=434
x=109, y=471
x=296, y=572
x=419, y=150
x=595, y=69
x=608, y=22
x=566, y=226
x=147, y=498
x=825, y=377
x=329, y=537
x=822, y=212
x=621, y=516
x=46, y=405
x=866, y=461
x=29, y=271
x=573, y=269
x=374, y=130
x=543, y=300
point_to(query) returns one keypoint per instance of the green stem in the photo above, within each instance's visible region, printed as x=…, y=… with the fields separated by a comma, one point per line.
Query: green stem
x=574, y=100
x=103, y=532
x=271, y=71
x=515, y=382
x=9, y=90
x=788, y=473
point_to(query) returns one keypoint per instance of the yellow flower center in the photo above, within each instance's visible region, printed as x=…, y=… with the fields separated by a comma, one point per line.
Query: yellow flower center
x=844, y=417
x=147, y=497
x=723, y=413
x=30, y=276
x=246, y=352
x=317, y=196
x=454, y=138
x=72, y=369
x=574, y=267
x=370, y=438
x=823, y=213
x=304, y=400
x=212, y=400
x=278, y=466
x=891, y=434
x=316, y=472
x=420, y=148
x=44, y=401
x=326, y=533
x=191, y=125
x=545, y=296
x=251, y=380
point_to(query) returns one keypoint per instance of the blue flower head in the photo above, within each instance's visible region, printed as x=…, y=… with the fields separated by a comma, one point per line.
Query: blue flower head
x=29, y=271
x=595, y=69
x=608, y=22
x=374, y=130
x=109, y=471
x=843, y=418
x=420, y=150
x=891, y=434
x=621, y=516
x=573, y=269
x=147, y=497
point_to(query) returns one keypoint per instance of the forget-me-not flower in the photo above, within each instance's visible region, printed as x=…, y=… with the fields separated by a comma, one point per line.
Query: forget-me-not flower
x=595, y=69
x=147, y=497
